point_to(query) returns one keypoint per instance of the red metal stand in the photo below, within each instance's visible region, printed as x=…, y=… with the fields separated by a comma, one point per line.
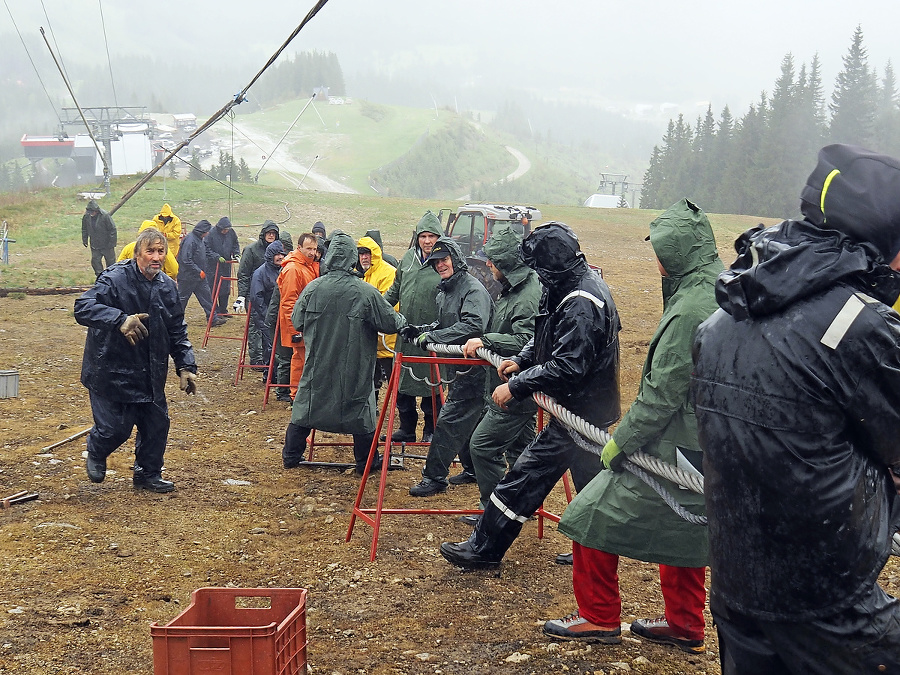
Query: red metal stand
x=272, y=367
x=372, y=516
x=217, y=285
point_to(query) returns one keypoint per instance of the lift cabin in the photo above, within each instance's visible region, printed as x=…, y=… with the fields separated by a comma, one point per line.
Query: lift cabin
x=473, y=224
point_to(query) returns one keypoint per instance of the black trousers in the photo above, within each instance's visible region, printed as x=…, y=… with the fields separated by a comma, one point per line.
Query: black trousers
x=295, y=447
x=188, y=286
x=864, y=638
x=528, y=482
x=113, y=423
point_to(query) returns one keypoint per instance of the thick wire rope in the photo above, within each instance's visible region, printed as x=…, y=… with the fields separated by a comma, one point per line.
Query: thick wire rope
x=33, y=65
x=55, y=44
x=108, y=59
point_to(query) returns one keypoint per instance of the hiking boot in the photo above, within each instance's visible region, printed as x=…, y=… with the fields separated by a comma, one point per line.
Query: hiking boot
x=142, y=481
x=427, y=487
x=401, y=436
x=96, y=468
x=659, y=630
x=283, y=397
x=292, y=462
x=218, y=321
x=576, y=627
x=463, y=555
x=462, y=478
x=564, y=559
x=427, y=436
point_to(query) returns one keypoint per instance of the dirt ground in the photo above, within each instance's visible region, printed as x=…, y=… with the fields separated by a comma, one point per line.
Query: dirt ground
x=87, y=568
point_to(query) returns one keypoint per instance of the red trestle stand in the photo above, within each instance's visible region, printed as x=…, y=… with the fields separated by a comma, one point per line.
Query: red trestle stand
x=372, y=516
x=217, y=285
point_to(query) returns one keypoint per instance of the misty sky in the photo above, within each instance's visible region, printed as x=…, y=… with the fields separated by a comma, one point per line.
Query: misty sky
x=623, y=54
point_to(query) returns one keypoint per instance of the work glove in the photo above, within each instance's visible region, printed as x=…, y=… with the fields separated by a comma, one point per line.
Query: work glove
x=188, y=382
x=202, y=274
x=410, y=332
x=612, y=456
x=221, y=259
x=132, y=328
x=422, y=340
x=238, y=305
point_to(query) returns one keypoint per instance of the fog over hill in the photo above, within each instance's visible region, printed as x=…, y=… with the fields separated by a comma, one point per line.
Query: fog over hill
x=647, y=59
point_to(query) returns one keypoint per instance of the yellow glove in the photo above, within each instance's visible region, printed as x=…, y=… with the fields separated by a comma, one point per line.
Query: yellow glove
x=612, y=456
x=133, y=330
x=188, y=382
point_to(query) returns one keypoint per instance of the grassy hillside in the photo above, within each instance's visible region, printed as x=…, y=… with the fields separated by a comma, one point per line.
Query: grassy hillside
x=47, y=224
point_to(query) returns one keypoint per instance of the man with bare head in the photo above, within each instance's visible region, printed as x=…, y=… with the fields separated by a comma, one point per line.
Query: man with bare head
x=135, y=323
x=297, y=270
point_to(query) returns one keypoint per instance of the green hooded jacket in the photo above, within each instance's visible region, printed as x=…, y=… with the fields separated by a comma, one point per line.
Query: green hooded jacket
x=514, y=310
x=415, y=288
x=465, y=310
x=340, y=316
x=617, y=512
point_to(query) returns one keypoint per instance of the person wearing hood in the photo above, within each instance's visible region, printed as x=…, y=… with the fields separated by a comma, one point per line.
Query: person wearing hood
x=797, y=392
x=415, y=289
x=170, y=225
x=170, y=265
x=298, y=268
x=252, y=257
x=381, y=275
x=99, y=232
x=223, y=242
x=464, y=311
x=262, y=285
x=503, y=433
x=340, y=317
x=574, y=358
x=618, y=514
x=387, y=257
x=193, y=257
x=135, y=323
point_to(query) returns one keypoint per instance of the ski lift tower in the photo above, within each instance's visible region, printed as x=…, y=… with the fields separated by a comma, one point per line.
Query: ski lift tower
x=104, y=124
x=616, y=183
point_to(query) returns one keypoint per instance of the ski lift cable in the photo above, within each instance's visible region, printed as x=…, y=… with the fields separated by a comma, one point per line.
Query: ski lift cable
x=208, y=175
x=55, y=44
x=108, y=59
x=80, y=111
x=33, y=65
x=238, y=98
x=311, y=98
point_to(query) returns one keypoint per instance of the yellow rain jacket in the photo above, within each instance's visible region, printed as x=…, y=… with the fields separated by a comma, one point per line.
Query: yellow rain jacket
x=170, y=265
x=172, y=229
x=381, y=276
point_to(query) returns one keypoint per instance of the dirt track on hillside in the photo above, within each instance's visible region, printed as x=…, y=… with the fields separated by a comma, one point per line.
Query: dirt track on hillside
x=87, y=568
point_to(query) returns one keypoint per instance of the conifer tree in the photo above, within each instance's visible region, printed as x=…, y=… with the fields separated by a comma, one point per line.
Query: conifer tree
x=853, y=100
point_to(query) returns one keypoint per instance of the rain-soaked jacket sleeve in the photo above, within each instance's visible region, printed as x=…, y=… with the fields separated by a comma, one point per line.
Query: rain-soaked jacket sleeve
x=474, y=316
x=664, y=386
x=578, y=335
x=392, y=295
x=521, y=331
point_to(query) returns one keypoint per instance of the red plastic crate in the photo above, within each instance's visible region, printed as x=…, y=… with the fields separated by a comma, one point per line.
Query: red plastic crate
x=216, y=635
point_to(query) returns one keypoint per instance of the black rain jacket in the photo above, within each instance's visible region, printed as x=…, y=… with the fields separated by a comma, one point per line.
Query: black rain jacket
x=797, y=397
x=112, y=367
x=574, y=354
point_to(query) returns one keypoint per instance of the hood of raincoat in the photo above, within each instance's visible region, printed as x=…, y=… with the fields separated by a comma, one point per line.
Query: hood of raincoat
x=857, y=193
x=552, y=250
x=375, y=235
x=374, y=247
x=146, y=224
x=447, y=246
x=429, y=223
x=269, y=226
x=202, y=227
x=685, y=245
x=319, y=227
x=272, y=250
x=92, y=205
x=502, y=249
x=342, y=255
x=224, y=223
x=166, y=211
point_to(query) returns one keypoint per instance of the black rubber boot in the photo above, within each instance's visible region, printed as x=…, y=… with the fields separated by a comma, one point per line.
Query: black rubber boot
x=294, y=446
